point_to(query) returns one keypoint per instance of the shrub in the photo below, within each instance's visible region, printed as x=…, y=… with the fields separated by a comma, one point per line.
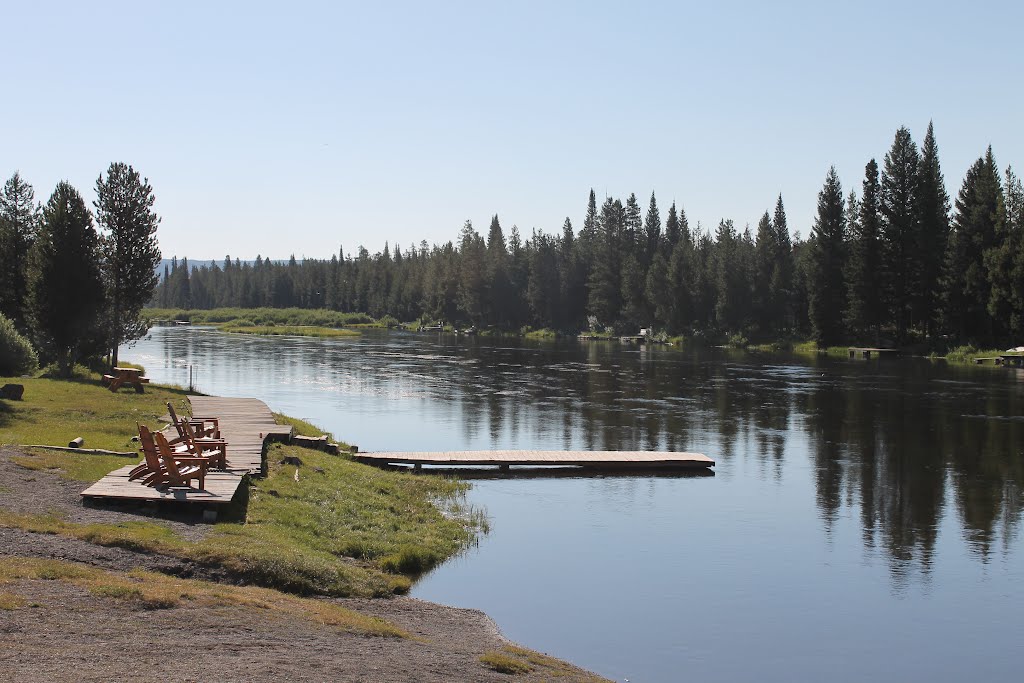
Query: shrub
x=17, y=357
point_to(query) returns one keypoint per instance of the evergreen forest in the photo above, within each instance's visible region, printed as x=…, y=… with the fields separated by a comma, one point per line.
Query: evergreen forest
x=888, y=260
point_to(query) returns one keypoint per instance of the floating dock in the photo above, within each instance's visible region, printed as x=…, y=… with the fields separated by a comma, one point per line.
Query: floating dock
x=245, y=423
x=620, y=460
x=867, y=352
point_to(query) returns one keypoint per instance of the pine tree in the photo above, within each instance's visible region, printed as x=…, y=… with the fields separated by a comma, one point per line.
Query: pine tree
x=632, y=228
x=472, y=273
x=728, y=278
x=1014, y=217
x=976, y=223
x=826, y=291
x=124, y=212
x=901, y=225
x=765, y=258
x=672, y=232
x=865, y=310
x=19, y=222
x=497, y=296
x=1004, y=304
x=933, y=233
x=656, y=290
x=603, y=283
x=781, y=287
x=66, y=284
x=652, y=231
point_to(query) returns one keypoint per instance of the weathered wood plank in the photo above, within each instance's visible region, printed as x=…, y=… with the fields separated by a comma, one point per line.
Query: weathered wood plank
x=596, y=459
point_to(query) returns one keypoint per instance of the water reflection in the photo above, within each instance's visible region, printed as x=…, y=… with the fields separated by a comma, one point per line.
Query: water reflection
x=893, y=443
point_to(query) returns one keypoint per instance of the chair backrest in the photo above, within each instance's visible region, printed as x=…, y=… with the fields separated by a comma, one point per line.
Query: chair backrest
x=174, y=419
x=149, y=448
x=189, y=435
x=166, y=454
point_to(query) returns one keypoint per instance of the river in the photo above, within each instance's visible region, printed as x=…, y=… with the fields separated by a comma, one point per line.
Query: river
x=863, y=521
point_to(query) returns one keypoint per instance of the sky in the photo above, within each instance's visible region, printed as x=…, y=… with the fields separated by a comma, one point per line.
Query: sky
x=296, y=128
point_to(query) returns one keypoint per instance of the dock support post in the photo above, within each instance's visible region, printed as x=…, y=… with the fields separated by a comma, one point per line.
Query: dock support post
x=418, y=466
x=504, y=468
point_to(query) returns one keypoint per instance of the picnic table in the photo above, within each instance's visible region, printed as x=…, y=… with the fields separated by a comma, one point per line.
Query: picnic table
x=121, y=376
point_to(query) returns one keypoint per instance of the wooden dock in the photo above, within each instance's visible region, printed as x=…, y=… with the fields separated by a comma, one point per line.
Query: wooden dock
x=245, y=423
x=621, y=460
x=867, y=352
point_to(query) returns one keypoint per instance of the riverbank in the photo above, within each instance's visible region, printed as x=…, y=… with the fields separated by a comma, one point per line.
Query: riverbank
x=342, y=533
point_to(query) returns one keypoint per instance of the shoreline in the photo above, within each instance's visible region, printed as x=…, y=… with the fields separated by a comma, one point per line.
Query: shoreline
x=444, y=643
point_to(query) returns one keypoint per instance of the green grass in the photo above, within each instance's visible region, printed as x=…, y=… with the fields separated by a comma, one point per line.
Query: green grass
x=544, y=333
x=287, y=330
x=343, y=529
x=261, y=316
x=968, y=354
x=811, y=347
x=54, y=412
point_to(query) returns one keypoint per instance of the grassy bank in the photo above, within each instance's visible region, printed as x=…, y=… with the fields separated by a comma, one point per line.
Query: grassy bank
x=330, y=525
x=262, y=316
x=288, y=330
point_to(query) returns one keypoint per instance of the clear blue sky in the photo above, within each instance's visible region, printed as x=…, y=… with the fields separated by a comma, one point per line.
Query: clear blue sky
x=285, y=128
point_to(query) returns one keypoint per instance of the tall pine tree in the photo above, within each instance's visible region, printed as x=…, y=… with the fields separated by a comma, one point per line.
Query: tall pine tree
x=826, y=290
x=124, y=212
x=901, y=224
x=865, y=311
x=19, y=222
x=933, y=233
x=976, y=223
x=66, y=285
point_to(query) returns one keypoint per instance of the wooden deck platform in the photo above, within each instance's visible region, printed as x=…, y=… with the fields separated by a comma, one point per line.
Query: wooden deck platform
x=245, y=423
x=504, y=459
x=867, y=352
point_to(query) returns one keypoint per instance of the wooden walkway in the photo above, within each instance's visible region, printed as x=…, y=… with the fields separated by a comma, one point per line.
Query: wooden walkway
x=867, y=352
x=504, y=459
x=245, y=423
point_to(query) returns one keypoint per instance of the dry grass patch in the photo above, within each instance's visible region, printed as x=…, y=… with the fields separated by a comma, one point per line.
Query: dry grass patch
x=504, y=664
x=150, y=590
x=10, y=601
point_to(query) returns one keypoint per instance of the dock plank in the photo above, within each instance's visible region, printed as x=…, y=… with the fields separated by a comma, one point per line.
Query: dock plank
x=590, y=459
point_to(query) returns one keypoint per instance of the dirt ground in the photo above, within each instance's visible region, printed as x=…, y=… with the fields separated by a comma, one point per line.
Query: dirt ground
x=64, y=633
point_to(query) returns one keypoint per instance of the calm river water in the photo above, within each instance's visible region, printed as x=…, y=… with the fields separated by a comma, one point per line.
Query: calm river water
x=863, y=521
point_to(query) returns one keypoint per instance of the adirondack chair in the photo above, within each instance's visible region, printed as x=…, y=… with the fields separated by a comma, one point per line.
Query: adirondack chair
x=150, y=470
x=180, y=470
x=215, y=449
x=198, y=425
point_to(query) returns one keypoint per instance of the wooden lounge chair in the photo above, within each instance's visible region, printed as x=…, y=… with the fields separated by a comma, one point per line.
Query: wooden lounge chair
x=150, y=470
x=215, y=449
x=179, y=470
x=198, y=424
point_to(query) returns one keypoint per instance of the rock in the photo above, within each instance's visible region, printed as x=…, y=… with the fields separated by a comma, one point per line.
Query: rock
x=13, y=392
x=291, y=460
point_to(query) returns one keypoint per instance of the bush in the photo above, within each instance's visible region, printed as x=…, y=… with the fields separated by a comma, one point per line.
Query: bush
x=17, y=357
